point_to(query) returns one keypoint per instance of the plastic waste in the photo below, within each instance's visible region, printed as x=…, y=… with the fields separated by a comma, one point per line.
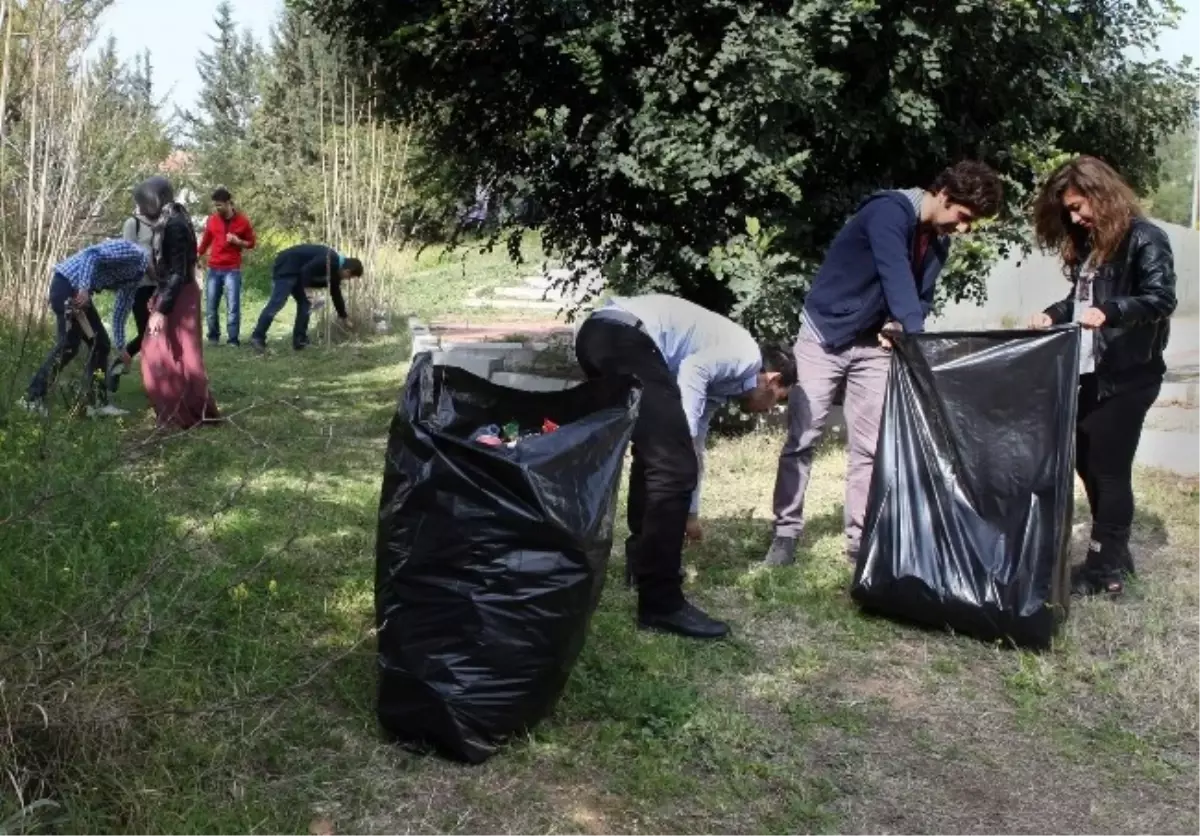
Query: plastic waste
x=490, y=563
x=968, y=521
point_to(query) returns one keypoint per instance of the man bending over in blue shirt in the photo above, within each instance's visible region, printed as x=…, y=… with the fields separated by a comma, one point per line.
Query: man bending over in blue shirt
x=690, y=361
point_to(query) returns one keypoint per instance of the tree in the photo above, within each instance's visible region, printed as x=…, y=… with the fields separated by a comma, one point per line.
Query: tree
x=1172, y=200
x=220, y=125
x=285, y=134
x=714, y=148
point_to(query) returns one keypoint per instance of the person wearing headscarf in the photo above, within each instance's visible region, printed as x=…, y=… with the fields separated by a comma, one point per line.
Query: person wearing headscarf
x=173, y=370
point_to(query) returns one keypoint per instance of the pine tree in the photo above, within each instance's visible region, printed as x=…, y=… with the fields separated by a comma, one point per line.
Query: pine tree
x=219, y=126
x=297, y=86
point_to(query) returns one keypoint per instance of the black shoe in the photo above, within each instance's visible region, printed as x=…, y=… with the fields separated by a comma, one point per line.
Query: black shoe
x=234, y=344
x=214, y=341
x=1088, y=582
x=689, y=621
x=259, y=346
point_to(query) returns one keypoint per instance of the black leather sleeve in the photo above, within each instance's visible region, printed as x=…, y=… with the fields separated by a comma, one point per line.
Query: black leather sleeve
x=1060, y=312
x=178, y=248
x=1153, y=295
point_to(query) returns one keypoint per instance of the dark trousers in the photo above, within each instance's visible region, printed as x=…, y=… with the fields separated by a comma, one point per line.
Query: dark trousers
x=664, y=470
x=141, y=316
x=281, y=289
x=1106, y=439
x=67, y=337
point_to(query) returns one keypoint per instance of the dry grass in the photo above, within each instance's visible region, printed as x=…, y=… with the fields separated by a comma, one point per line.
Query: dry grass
x=812, y=719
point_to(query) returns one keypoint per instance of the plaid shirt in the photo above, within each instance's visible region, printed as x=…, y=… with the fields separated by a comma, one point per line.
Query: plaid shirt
x=114, y=264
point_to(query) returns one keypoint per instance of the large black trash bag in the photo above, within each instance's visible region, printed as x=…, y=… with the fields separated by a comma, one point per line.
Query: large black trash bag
x=968, y=523
x=491, y=561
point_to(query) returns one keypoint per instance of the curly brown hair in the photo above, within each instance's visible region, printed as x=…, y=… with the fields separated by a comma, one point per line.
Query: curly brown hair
x=1113, y=203
x=973, y=185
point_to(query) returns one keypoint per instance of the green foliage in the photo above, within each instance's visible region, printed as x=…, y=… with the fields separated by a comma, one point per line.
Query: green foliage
x=1172, y=200
x=648, y=132
x=126, y=138
x=220, y=126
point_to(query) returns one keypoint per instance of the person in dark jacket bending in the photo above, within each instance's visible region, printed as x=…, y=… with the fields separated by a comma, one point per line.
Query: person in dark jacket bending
x=296, y=269
x=1122, y=275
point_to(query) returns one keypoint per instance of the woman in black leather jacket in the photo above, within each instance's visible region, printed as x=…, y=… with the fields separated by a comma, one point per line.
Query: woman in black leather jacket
x=1122, y=295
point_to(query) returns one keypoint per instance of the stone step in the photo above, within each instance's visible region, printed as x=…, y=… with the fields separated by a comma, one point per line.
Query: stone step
x=1173, y=419
x=514, y=304
x=1178, y=394
x=531, y=382
x=1171, y=450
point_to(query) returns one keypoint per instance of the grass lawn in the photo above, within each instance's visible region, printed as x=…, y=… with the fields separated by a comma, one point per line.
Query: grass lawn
x=185, y=646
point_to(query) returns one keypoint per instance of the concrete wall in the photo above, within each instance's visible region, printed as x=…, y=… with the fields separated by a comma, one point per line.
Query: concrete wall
x=1022, y=285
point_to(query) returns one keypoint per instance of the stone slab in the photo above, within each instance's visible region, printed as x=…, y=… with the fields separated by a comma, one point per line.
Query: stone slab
x=478, y=365
x=530, y=382
x=422, y=344
x=1178, y=452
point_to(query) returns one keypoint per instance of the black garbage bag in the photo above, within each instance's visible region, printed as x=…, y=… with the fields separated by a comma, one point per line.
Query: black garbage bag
x=968, y=522
x=490, y=560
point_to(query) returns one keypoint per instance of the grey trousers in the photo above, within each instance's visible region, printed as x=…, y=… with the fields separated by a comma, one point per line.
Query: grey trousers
x=820, y=371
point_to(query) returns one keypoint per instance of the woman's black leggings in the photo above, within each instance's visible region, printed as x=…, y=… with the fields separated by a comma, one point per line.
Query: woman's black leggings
x=1106, y=439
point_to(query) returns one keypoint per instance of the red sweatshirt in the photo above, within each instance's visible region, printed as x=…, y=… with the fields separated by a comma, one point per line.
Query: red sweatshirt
x=224, y=255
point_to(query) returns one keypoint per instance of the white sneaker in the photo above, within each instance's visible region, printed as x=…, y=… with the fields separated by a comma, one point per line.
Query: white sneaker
x=106, y=411
x=34, y=406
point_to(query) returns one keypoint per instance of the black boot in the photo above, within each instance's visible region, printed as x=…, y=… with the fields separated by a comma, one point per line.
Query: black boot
x=1108, y=564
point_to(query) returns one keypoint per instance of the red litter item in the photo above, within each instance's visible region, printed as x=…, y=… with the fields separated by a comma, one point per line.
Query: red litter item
x=549, y=426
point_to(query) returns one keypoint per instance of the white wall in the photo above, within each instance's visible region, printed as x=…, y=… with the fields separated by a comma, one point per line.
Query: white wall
x=1022, y=285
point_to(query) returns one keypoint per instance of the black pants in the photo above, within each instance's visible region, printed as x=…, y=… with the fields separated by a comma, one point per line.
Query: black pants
x=141, y=316
x=68, y=335
x=665, y=469
x=1106, y=439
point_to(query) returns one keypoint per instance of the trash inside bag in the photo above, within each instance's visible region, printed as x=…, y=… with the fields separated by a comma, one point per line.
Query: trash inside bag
x=490, y=561
x=511, y=434
x=968, y=522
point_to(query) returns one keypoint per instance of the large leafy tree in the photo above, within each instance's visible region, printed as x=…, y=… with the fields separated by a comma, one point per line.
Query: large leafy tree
x=714, y=148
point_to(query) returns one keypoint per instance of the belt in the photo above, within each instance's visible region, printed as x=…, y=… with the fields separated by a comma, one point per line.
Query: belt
x=620, y=316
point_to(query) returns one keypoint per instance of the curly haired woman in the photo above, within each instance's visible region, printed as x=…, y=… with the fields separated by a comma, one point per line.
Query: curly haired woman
x=1122, y=295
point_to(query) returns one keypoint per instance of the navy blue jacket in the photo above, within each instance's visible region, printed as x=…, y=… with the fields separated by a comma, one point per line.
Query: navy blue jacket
x=312, y=265
x=867, y=276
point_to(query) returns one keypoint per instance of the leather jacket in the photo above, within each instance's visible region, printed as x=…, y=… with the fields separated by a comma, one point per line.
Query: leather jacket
x=178, y=265
x=1136, y=291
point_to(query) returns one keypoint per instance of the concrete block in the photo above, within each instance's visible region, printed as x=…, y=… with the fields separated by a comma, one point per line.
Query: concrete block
x=530, y=382
x=492, y=349
x=476, y=364
x=423, y=343
x=1177, y=394
x=1171, y=450
x=520, y=360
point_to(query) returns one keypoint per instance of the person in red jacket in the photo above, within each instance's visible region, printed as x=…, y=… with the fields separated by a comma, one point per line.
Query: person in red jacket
x=227, y=233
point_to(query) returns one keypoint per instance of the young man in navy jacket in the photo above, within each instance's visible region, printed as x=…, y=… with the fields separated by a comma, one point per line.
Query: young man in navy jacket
x=878, y=277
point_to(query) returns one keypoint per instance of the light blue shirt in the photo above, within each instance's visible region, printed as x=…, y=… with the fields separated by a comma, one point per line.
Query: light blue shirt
x=712, y=358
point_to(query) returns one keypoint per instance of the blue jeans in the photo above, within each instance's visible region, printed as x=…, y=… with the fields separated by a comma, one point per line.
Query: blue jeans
x=281, y=289
x=229, y=282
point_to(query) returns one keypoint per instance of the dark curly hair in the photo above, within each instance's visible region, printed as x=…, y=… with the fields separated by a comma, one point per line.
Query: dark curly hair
x=973, y=185
x=777, y=357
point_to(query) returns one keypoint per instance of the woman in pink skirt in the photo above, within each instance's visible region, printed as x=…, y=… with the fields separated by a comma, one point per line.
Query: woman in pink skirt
x=173, y=370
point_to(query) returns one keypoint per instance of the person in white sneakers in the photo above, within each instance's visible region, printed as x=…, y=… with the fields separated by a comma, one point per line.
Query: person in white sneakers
x=114, y=264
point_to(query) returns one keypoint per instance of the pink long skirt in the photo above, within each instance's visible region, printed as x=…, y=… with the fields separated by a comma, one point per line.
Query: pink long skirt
x=173, y=366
